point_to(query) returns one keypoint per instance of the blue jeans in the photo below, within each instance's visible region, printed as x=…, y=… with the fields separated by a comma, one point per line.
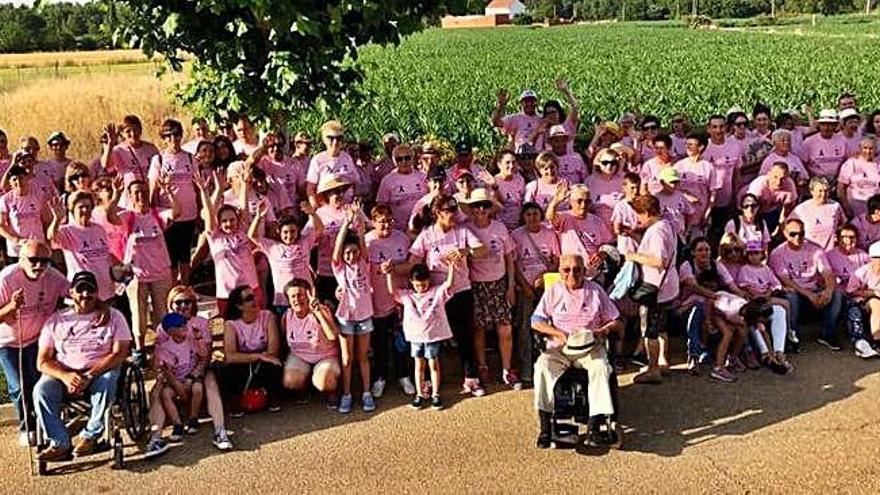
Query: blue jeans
x=49, y=394
x=695, y=318
x=14, y=385
x=829, y=313
x=855, y=321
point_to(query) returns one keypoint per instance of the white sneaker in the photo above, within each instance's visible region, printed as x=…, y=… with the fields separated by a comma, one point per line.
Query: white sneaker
x=792, y=337
x=407, y=385
x=378, y=388
x=26, y=439
x=864, y=349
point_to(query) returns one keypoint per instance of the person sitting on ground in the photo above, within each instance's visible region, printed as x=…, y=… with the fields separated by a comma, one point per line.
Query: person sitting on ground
x=864, y=289
x=79, y=357
x=868, y=223
x=574, y=306
x=821, y=215
x=313, y=339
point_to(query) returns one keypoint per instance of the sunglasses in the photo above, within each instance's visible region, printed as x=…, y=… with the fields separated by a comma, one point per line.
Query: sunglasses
x=85, y=289
x=333, y=138
x=76, y=177
x=182, y=302
x=482, y=205
x=403, y=158
x=750, y=206
x=796, y=233
x=36, y=260
x=571, y=269
x=608, y=162
x=249, y=298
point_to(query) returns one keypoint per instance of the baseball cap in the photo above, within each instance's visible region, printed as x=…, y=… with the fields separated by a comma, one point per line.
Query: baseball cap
x=57, y=136
x=459, y=173
x=173, y=320
x=528, y=93
x=526, y=150
x=557, y=131
x=84, y=279
x=463, y=147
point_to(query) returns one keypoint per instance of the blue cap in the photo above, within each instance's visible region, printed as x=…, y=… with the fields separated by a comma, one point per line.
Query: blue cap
x=173, y=320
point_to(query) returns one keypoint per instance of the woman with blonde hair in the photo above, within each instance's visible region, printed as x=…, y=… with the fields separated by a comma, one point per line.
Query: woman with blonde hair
x=542, y=189
x=333, y=161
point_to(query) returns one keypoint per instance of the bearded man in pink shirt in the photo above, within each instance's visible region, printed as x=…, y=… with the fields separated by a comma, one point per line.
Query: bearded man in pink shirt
x=79, y=358
x=572, y=312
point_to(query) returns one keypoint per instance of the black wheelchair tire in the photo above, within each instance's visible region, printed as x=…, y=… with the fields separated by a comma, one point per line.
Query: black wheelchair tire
x=134, y=402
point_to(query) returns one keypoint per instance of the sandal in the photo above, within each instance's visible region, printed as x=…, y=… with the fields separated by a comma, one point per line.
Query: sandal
x=648, y=378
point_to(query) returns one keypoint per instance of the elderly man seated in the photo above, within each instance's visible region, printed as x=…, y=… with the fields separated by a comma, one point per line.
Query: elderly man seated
x=568, y=314
x=79, y=355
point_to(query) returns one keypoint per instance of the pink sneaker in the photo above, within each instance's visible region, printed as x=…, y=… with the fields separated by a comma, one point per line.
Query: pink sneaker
x=511, y=379
x=723, y=375
x=472, y=386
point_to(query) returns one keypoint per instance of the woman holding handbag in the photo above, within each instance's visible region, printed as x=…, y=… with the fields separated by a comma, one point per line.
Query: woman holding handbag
x=658, y=286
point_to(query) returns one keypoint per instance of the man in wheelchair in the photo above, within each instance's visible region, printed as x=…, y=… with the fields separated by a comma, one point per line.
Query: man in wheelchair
x=80, y=357
x=575, y=316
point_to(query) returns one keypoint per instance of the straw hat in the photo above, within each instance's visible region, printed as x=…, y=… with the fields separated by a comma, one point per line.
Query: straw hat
x=330, y=182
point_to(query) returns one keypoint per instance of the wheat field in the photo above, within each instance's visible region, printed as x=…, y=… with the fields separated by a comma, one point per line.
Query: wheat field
x=80, y=105
x=65, y=59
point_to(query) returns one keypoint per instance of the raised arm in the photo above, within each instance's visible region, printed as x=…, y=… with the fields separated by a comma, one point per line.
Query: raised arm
x=336, y=257
x=317, y=223
x=573, y=105
x=562, y=191
x=498, y=111
x=109, y=136
x=209, y=207
x=56, y=210
x=324, y=315
x=254, y=229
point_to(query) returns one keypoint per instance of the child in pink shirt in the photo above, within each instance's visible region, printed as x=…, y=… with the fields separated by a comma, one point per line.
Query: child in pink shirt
x=424, y=323
x=351, y=267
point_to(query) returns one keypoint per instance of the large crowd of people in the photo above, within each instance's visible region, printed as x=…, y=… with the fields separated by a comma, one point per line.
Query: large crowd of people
x=338, y=271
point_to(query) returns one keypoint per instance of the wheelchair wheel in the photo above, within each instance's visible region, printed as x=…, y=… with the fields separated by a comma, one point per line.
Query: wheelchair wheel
x=118, y=452
x=134, y=402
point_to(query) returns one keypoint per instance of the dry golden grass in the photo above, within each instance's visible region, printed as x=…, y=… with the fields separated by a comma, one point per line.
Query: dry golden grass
x=48, y=59
x=81, y=105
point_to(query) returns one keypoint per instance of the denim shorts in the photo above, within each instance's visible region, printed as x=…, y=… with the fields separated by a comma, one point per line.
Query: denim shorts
x=362, y=327
x=426, y=350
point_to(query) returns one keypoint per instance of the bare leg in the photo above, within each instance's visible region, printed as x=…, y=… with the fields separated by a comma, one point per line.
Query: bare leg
x=169, y=405
x=874, y=310
x=505, y=345
x=362, y=348
x=724, y=345
x=479, y=339
x=157, y=410
x=325, y=380
x=663, y=351
x=198, y=398
x=215, y=402
x=295, y=379
x=347, y=355
x=434, y=364
x=420, y=374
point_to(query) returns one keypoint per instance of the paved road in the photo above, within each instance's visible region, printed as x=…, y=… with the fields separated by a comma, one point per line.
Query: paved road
x=816, y=430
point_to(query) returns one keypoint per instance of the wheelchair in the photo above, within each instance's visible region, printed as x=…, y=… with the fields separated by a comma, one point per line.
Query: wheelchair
x=128, y=413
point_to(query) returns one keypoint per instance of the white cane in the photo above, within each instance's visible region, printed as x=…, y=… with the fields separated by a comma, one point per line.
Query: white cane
x=23, y=393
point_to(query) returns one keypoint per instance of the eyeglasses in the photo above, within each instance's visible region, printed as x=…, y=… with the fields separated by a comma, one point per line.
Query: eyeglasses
x=403, y=158
x=37, y=260
x=571, y=269
x=249, y=298
x=482, y=205
x=182, y=302
x=796, y=233
x=750, y=206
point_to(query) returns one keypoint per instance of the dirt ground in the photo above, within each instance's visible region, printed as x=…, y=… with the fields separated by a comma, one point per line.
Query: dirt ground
x=815, y=430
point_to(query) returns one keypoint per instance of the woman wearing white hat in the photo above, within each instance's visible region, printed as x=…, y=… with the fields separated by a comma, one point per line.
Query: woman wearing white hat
x=332, y=193
x=825, y=150
x=850, y=129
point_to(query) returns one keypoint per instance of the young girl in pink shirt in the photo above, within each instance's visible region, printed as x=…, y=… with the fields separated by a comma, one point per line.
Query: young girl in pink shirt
x=351, y=267
x=424, y=323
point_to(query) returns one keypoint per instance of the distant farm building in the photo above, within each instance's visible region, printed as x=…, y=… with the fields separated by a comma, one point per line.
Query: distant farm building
x=497, y=13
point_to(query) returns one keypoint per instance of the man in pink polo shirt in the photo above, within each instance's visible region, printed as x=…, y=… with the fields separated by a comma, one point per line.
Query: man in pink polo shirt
x=518, y=126
x=804, y=271
x=570, y=311
x=29, y=293
x=79, y=358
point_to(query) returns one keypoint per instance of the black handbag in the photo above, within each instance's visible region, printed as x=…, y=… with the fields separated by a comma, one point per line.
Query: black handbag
x=644, y=293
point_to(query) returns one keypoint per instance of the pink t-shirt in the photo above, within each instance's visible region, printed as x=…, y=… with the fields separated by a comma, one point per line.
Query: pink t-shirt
x=869, y=232
x=382, y=168
x=750, y=231
x=843, y=265
x=569, y=310
x=86, y=249
x=626, y=216
x=824, y=156
x=863, y=179
x=324, y=164
x=773, y=199
x=424, y=314
x=78, y=343
x=679, y=146
x=24, y=214
x=115, y=233
x=244, y=148
x=40, y=300
x=233, y=261
x=726, y=158
x=401, y=192
x=52, y=171
x=660, y=241
x=698, y=179
x=518, y=126
x=582, y=236
x=676, y=209
x=306, y=338
x=865, y=277
x=180, y=170
x=288, y=262
x=535, y=251
x=254, y=199
x=131, y=164
x=497, y=240
x=198, y=330
x=803, y=266
x=541, y=192
x=759, y=278
x=512, y=192
x=686, y=272
x=145, y=246
x=605, y=194
x=433, y=245
x=795, y=166
x=820, y=221
x=252, y=337
x=181, y=358
x=572, y=168
x=356, y=303
x=395, y=247
x=284, y=178
x=650, y=174
x=332, y=219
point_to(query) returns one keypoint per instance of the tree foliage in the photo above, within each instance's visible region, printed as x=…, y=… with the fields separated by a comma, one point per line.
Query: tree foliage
x=270, y=58
x=57, y=26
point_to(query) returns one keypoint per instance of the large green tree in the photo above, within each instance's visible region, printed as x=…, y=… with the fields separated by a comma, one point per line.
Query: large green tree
x=269, y=57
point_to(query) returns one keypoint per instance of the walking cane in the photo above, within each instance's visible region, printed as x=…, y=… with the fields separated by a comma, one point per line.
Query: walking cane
x=23, y=393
